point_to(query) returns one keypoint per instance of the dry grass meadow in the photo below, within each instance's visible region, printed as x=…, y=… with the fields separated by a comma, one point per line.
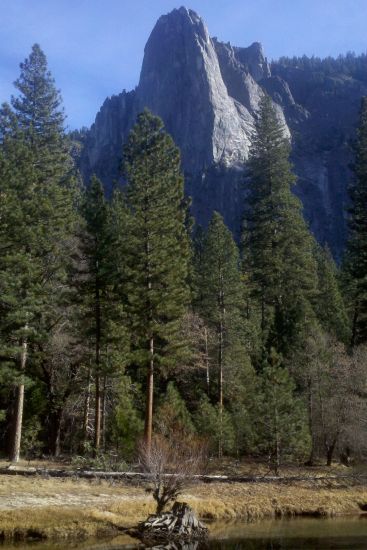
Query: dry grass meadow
x=57, y=508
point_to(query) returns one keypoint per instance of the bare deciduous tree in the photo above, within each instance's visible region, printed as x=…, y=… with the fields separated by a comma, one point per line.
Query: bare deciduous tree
x=336, y=385
x=199, y=338
x=172, y=464
x=334, y=381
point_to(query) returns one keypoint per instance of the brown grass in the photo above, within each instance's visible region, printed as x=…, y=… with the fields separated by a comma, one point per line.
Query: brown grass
x=256, y=501
x=33, y=507
x=63, y=508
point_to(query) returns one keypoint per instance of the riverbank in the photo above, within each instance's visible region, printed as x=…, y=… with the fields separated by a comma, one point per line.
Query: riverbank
x=36, y=508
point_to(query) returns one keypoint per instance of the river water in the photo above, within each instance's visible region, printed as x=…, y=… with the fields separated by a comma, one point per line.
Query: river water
x=293, y=534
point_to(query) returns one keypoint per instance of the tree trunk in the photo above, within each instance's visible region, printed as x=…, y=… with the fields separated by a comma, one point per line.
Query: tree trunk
x=207, y=362
x=329, y=454
x=54, y=432
x=149, y=399
x=311, y=459
x=103, y=418
x=330, y=449
x=86, y=411
x=97, y=417
x=277, y=442
x=220, y=446
x=220, y=364
x=345, y=457
x=19, y=406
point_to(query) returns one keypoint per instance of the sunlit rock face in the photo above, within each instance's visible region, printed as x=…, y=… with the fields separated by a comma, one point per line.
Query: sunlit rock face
x=181, y=81
x=207, y=93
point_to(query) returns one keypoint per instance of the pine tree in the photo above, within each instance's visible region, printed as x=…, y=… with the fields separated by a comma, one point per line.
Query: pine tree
x=207, y=419
x=158, y=249
x=218, y=281
x=281, y=424
x=356, y=255
x=37, y=190
x=172, y=414
x=330, y=308
x=278, y=248
x=19, y=280
x=95, y=251
x=127, y=424
x=39, y=113
x=98, y=279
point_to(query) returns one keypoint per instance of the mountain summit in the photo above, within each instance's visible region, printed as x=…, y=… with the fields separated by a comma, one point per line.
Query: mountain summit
x=181, y=81
x=207, y=93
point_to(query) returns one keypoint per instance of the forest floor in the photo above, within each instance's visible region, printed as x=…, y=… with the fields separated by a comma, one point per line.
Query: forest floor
x=39, y=507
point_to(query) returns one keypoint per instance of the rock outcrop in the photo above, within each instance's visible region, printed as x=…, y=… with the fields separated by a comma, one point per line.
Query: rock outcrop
x=207, y=93
x=181, y=81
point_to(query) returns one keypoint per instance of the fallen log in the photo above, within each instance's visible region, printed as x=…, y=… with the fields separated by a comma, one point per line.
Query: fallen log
x=143, y=476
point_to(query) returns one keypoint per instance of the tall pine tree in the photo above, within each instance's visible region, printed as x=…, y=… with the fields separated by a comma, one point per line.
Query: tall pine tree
x=281, y=424
x=278, y=247
x=96, y=255
x=37, y=189
x=220, y=299
x=356, y=255
x=39, y=113
x=157, y=265
x=330, y=308
x=98, y=280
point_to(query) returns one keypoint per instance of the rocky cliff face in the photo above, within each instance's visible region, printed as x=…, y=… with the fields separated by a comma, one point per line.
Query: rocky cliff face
x=328, y=103
x=181, y=81
x=207, y=93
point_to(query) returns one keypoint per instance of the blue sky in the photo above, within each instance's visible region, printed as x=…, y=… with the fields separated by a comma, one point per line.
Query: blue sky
x=95, y=47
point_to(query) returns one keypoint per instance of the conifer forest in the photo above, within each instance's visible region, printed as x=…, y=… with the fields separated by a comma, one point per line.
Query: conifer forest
x=122, y=319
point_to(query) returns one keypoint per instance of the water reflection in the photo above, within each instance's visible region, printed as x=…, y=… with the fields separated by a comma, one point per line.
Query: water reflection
x=294, y=534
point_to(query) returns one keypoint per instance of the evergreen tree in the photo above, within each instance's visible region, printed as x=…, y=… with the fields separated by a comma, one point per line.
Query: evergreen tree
x=198, y=247
x=172, y=414
x=19, y=278
x=119, y=246
x=157, y=259
x=282, y=426
x=220, y=300
x=127, y=424
x=39, y=113
x=38, y=192
x=95, y=251
x=207, y=419
x=277, y=245
x=101, y=306
x=329, y=306
x=356, y=255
